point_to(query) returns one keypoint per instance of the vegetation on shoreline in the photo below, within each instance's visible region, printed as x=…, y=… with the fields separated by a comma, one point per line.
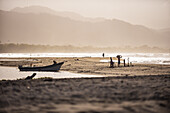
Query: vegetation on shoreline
x=29, y=48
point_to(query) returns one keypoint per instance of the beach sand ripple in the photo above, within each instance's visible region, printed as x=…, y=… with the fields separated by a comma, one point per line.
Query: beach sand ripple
x=131, y=94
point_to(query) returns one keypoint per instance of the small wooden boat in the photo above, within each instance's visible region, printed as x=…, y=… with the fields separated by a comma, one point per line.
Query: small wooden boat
x=52, y=68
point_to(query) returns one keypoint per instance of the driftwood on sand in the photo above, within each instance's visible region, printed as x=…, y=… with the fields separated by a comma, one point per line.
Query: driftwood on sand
x=30, y=77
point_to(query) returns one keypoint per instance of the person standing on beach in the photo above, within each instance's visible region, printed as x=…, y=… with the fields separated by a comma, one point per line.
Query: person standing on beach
x=111, y=63
x=103, y=55
x=118, y=57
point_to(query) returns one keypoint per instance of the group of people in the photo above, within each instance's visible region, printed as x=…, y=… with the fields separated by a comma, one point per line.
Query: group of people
x=118, y=57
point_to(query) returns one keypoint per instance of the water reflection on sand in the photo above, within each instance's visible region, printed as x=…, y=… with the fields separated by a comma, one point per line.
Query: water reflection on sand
x=12, y=73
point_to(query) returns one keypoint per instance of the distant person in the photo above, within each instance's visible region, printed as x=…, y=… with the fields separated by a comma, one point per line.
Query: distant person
x=118, y=57
x=54, y=62
x=103, y=54
x=111, y=62
x=124, y=63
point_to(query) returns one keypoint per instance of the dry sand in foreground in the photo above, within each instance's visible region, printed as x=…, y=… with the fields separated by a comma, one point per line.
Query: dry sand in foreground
x=143, y=94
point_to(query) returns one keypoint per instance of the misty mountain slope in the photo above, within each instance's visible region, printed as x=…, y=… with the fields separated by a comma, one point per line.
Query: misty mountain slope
x=46, y=28
x=41, y=9
x=165, y=32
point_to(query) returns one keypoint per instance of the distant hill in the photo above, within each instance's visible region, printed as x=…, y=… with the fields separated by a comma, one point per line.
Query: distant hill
x=30, y=48
x=45, y=26
x=40, y=9
x=165, y=31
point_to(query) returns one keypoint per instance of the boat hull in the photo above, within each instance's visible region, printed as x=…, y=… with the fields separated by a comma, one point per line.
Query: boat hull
x=52, y=68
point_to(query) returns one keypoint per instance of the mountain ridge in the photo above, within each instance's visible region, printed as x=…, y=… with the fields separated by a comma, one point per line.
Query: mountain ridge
x=51, y=29
x=68, y=14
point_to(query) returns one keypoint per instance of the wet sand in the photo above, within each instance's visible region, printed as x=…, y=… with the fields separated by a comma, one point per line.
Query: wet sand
x=92, y=65
x=142, y=88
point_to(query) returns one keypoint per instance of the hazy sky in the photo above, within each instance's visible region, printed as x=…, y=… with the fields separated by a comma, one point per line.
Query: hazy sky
x=150, y=13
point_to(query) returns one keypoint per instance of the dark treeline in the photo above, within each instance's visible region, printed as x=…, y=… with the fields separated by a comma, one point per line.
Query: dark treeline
x=28, y=48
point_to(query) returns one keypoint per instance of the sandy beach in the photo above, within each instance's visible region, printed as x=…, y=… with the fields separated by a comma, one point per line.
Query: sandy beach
x=84, y=56
x=143, y=88
x=92, y=65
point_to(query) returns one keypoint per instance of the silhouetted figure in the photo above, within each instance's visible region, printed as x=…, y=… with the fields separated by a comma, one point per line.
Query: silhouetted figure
x=118, y=57
x=124, y=63
x=54, y=62
x=111, y=63
x=30, y=77
x=128, y=61
x=103, y=54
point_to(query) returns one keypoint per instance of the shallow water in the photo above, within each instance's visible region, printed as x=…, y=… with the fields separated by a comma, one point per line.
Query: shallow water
x=146, y=58
x=12, y=73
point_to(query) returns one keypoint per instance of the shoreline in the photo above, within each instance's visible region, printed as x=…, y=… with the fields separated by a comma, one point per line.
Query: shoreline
x=99, y=77
x=141, y=88
x=93, y=66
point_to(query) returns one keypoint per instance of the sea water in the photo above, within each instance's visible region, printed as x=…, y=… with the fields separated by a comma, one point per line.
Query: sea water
x=146, y=58
x=13, y=73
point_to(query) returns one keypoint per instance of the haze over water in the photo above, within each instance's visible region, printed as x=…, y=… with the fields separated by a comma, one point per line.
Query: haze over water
x=145, y=58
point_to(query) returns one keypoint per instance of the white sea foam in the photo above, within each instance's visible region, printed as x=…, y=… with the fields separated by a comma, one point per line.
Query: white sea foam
x=147, y=58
